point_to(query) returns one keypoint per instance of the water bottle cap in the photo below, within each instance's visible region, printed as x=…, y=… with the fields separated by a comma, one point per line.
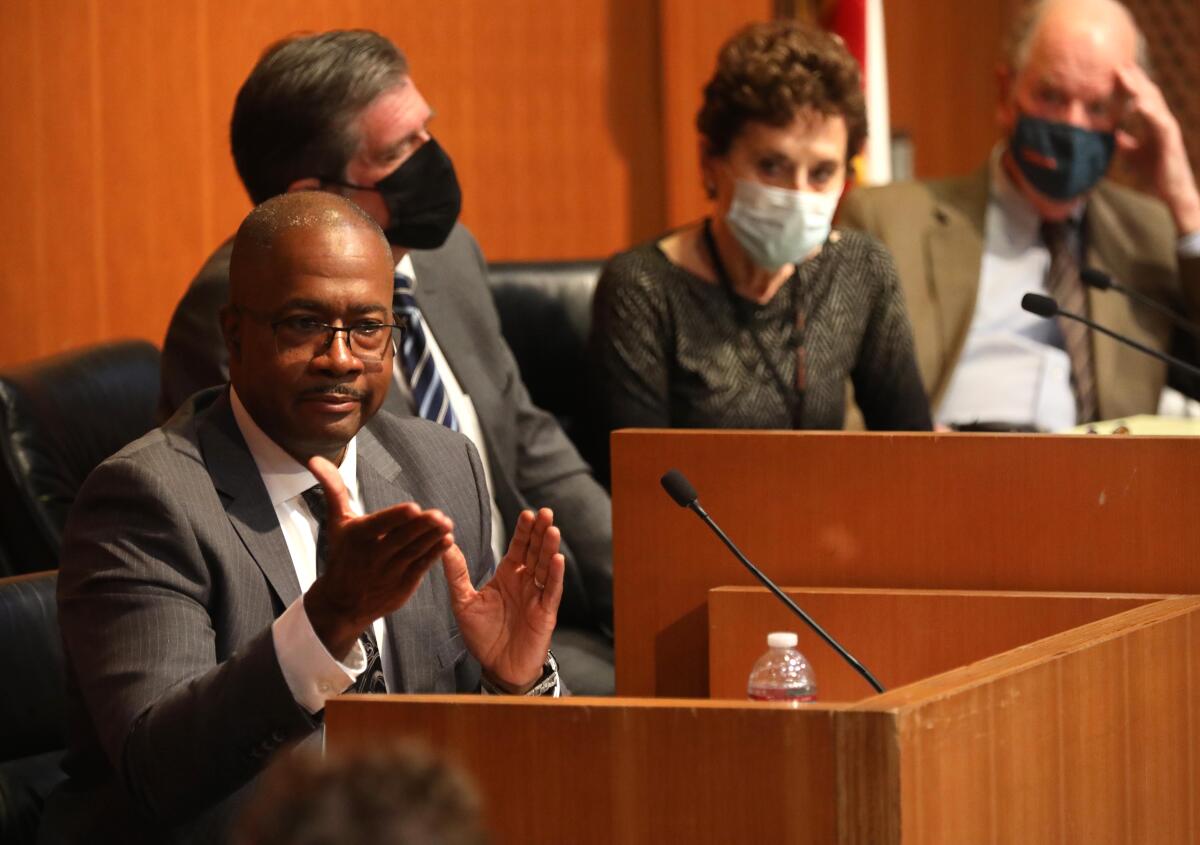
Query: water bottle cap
x=782, y=639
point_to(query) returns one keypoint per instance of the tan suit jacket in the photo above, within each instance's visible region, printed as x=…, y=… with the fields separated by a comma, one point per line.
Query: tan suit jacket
x=935, y=231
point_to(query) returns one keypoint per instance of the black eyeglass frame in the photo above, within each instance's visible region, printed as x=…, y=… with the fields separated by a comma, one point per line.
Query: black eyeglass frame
x=331, y=331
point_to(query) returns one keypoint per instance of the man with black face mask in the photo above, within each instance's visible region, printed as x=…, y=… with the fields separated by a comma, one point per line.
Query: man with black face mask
x=340, y=112
x=1073, y=92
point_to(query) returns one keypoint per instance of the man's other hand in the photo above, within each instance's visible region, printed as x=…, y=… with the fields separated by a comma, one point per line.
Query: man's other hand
x=507, y=624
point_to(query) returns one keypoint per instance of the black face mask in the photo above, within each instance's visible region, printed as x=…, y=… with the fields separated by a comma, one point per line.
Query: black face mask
x=422, y=197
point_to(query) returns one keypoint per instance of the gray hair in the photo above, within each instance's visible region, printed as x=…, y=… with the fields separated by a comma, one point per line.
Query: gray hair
x=1020, y=37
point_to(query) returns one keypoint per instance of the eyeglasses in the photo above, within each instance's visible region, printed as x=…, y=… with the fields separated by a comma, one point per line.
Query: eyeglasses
x=368, y=339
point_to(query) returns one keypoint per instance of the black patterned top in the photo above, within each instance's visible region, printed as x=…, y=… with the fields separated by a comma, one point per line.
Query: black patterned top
x=669, y=349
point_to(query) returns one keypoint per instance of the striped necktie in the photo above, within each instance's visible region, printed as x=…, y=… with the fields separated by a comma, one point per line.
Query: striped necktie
x=1064, y=284
x=428, y=390
x=371, y=680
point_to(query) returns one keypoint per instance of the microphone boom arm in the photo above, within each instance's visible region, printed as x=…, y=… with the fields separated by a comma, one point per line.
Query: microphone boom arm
x=1153, y=353
x=694, y=505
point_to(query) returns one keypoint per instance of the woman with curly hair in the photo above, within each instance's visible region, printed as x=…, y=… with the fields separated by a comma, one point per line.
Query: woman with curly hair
x=759, y=314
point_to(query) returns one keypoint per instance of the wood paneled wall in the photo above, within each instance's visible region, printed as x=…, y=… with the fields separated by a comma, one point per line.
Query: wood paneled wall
x=114, y=139
x=692, y=33
x=570, y=122
x=942, y=78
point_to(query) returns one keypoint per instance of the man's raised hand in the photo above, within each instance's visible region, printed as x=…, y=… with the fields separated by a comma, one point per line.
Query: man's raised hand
x=1152, y=142
x=374, y=563
x=507, y=624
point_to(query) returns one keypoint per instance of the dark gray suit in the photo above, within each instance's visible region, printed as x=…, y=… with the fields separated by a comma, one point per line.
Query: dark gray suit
x=173, y=569
x=533, y=463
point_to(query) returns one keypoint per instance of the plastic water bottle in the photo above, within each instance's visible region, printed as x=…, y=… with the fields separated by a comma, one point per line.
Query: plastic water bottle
x=782, y=674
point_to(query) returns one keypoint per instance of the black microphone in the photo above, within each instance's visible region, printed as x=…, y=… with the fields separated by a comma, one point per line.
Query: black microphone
x=684, y=494
x=1045, y=306
x=1100, y=280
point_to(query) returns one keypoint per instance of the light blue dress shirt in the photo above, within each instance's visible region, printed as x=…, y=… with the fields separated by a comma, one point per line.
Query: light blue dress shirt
x=1014, y=367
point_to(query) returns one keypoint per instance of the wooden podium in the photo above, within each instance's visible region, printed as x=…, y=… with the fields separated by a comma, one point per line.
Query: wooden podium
x=1087, y=735
x=1040, y=717
x=1112, y=514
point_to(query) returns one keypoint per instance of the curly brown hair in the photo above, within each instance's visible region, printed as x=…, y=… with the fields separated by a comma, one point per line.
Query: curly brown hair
x=768, y=72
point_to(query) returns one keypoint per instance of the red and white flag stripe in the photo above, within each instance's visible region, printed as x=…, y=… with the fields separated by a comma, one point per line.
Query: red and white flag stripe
x=860, y=24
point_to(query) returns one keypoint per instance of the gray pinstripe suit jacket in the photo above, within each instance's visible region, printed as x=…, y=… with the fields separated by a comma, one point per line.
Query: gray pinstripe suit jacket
x=173, y=569
x=533, y=463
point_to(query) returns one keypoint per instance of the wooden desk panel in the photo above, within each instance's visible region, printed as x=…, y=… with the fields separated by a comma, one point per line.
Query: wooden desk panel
x=901, y=636
x=630, y=771
x=1086, y=736
x=1089, y=735
x=921, y=511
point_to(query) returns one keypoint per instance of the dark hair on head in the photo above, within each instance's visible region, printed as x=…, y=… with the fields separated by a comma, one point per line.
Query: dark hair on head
x=389, y=796
x=294, y=114
x=769, y=72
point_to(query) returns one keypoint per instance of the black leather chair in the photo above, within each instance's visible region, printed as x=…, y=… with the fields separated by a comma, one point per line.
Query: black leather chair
x=59, y=418
x=545, y=314
x=31, y=706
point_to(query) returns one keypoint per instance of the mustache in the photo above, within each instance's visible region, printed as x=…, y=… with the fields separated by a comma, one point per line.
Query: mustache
x=336, y=390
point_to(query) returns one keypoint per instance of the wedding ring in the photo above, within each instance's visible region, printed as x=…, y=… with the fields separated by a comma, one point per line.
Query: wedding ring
x=538, y=583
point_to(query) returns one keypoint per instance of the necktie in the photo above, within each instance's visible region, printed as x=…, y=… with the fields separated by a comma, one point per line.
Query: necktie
x=1064, y=284
x=428, y=390
x=371, y=679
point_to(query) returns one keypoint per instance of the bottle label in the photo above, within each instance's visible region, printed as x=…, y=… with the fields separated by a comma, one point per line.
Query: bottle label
x=796, y=696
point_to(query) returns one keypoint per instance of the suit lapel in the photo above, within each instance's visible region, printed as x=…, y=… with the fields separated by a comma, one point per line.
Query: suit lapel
x=417, y=630
x=954, y=244
x=1119, y=372
x=1104, y=251
x=380, y=477
x=445, y=318
x=236, y=478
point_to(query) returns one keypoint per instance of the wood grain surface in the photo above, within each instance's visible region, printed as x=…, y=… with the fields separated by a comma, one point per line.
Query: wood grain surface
x=1088, y=735
x=571, y=123
x=633, y=771
x=918, y=511
x=901, y=636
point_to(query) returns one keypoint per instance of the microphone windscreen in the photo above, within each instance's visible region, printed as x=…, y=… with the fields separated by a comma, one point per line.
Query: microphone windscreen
x=1094, y=278
x=679, y=488
x=1043, y=306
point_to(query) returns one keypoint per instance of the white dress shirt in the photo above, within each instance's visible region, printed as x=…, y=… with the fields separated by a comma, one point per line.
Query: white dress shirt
x=464, y=410
x=1014, y=367
x=312, y=673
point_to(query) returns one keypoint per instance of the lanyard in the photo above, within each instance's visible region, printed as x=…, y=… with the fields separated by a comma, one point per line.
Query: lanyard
x=793, y=396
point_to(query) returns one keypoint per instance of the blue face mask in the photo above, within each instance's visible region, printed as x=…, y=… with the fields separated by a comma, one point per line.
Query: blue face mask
x=1059, y=160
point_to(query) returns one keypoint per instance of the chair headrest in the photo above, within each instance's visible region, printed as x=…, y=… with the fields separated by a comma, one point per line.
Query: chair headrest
x=546, y=314
x=59, y=418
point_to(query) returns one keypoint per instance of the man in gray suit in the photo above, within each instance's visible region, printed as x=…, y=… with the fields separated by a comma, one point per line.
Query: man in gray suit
x=340, y=112
x=211, y=598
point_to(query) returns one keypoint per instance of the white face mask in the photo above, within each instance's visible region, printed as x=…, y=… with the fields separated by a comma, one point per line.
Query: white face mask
x=777, y=226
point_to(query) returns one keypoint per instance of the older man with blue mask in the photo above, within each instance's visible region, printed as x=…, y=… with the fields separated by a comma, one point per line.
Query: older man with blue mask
x=1073, y=94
